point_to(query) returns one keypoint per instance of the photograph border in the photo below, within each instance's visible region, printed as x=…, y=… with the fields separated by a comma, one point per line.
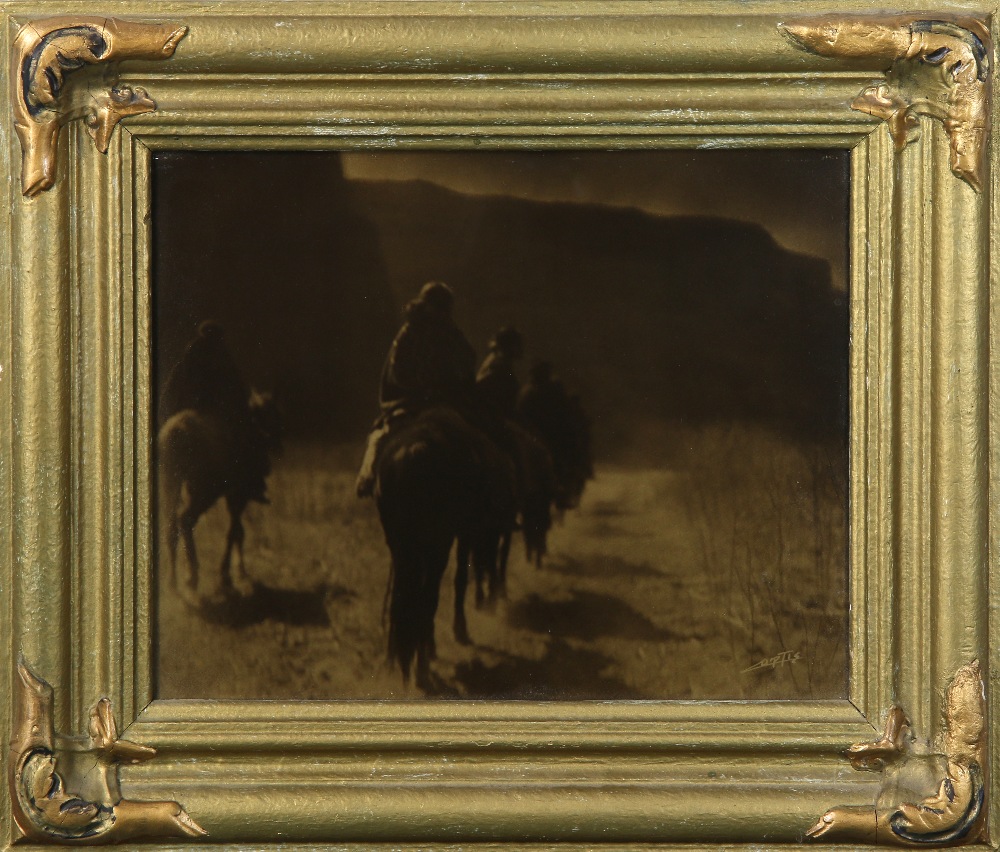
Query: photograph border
x=77, y=428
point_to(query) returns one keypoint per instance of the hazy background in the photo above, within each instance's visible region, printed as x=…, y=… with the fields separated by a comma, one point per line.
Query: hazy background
x=639, y=274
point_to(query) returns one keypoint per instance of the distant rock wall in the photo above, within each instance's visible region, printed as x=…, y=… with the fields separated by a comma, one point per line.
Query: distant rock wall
x=652, y=319
x=690, y=319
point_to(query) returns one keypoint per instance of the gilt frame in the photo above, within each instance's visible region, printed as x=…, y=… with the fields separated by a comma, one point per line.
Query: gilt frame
x=75, y=427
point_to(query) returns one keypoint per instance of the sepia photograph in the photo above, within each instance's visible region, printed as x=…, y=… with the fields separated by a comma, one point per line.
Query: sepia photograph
x=542, y=425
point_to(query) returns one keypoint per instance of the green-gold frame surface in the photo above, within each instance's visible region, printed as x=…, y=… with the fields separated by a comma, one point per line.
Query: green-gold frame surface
x=75, y=425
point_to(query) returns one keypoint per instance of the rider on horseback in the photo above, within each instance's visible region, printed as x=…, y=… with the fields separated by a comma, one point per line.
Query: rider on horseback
x=558, y=419
x=497, y=385
x=206, y=379
x=430, y=363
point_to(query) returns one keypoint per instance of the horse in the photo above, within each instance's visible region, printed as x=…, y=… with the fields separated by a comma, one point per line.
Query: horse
x=559, y=421
x=572, y=455
x=202, y=459
x=438, y=479
x=535, y=493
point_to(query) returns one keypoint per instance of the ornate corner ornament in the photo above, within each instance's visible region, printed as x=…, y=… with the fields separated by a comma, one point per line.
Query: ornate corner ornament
x=953, y=811
x=46, y=52
x=936, y=68
x=42, y=805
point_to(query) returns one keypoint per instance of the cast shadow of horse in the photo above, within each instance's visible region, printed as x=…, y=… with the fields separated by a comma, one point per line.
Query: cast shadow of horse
x=608, y=565
x=300, y=608
x=562, y=672
x=588, y=616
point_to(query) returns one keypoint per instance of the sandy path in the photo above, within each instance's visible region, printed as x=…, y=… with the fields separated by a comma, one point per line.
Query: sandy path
x=623, y=608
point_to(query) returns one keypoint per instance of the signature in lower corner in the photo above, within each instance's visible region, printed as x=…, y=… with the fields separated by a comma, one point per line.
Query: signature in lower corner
x=775, y=661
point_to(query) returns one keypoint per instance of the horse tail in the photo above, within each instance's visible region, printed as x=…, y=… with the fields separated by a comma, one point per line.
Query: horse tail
x=413, y=597
x=404, y=635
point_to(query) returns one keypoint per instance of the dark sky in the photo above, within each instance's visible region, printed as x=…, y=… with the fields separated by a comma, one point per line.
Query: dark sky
x=662, y=284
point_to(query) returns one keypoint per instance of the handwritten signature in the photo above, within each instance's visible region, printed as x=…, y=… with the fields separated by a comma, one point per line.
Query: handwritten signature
x=775, y=661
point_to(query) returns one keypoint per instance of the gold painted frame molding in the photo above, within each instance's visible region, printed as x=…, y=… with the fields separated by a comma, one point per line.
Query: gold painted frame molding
x=75, y=402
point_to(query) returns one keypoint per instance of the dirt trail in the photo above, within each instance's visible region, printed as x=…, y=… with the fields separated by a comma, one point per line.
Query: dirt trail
x=623, y=608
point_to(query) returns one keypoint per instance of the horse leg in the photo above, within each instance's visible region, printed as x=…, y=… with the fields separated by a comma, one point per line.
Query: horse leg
x=434, y=563
x=196, y=503
x=534, y=538
x=433, y=598
x=243, y=581
x=225, y=567
x=173, y=536
x=423, y=674
x=536, y=532
x=459, y=626
x=425, y=604
x=404, y=603
x=485, y=560
x=188, y=518
x=542, y=548
x=170, y=498
x=234, y=539
x=480, y=574
x=389, y=616
x=493, y=568
x=505, y=540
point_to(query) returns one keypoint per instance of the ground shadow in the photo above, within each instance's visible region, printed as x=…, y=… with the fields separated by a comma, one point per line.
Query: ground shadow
x=588, y=615
x=601, y=566
x=563, y=672
x=267, y=603
x=605, y=509
x=605, y=529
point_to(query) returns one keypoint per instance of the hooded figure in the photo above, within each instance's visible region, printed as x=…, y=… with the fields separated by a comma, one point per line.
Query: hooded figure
x=429, y=363
x=430, y=360
x=206, y=379
x=558, y=419
x=497, y=385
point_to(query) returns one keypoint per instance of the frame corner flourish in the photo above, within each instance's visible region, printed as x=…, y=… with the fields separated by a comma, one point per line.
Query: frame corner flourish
x=43, y=806
x=44, y=55
x=953, y=812
x=939, y=68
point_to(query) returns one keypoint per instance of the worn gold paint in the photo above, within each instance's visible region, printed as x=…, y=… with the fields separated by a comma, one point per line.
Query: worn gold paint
x=47, y=51
x=962, y=55
x=75, y=396
x=46, y=809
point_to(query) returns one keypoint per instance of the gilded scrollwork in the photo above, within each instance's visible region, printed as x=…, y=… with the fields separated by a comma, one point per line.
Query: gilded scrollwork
x=47, y=53
x=43, y=805
x=952, y=812
x=935, y=67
